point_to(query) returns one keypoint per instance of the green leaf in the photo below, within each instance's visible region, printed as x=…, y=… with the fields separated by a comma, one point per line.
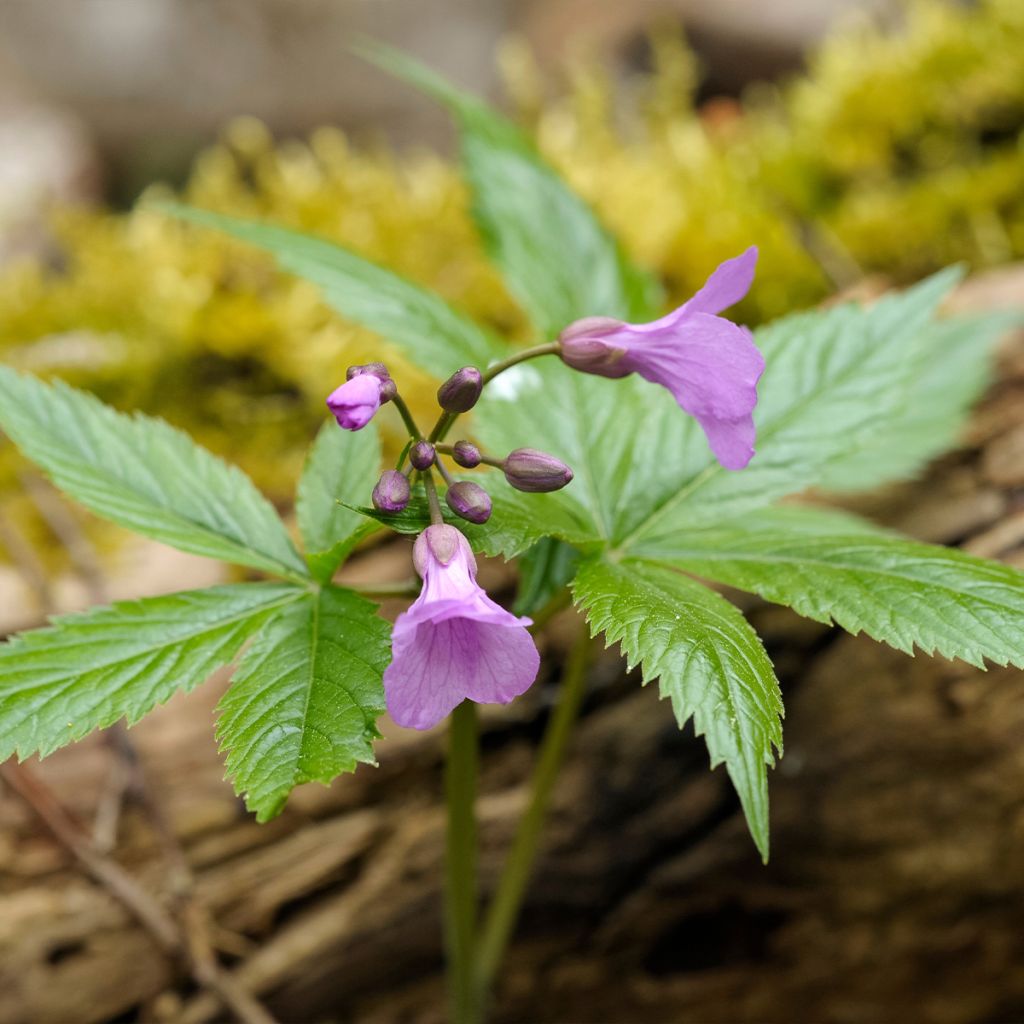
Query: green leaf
x=711, y=664
x=305, y=699
x=952, y=368
x=431, y=333
x=143, y=474
x=342, y=466
x=88, y=670
x=544, y=570
x=597, y=427
x=556, y=258
x=834, y=568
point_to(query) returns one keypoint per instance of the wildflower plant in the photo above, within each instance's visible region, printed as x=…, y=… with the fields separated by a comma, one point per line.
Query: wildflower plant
x=622, y=459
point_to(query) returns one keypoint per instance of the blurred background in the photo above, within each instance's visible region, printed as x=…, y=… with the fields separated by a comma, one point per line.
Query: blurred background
x=861, y=145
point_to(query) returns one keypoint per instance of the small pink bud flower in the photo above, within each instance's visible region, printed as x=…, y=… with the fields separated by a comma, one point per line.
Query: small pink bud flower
x=710, y=365
x=355, y=402
x=454, y=643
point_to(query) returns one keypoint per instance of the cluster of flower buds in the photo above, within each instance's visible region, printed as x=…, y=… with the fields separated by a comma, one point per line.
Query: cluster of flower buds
x=526, y=469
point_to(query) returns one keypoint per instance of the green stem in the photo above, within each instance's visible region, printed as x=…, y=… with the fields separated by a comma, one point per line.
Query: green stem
x=410, y=423
x=461, y=865
x=436, y=516
x=549, y=348
x=504, y=909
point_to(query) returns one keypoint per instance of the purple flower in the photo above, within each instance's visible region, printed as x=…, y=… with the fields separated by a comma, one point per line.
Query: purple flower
x=710, y=365
x=454, y=642
x=355, y=402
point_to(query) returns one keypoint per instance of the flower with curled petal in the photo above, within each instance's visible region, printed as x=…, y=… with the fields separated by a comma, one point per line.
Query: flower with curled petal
x=710, y=365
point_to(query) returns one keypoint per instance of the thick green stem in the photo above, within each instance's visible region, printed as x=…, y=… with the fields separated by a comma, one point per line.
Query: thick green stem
x=461, y=865
x=504, y=909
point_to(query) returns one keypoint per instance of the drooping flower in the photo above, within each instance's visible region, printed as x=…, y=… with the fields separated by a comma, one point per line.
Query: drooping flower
x=454, y=642
x=710, y=365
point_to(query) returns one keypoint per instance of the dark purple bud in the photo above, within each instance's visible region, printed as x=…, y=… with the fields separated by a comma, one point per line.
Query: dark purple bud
x=461, y=390
x=527, y=469
x=469, y=501
x=377, y=369
x=392, y=492
x=422, y=455
x=388, y=390
x=466, y=455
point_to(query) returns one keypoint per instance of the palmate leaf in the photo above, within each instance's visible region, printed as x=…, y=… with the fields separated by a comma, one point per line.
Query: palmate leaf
x=143, y=474
x=711, y=664
x=88, y=670
x=834, y=568
x=952, y=368
x=429, y=332
x=342, y=467
x=304, y=702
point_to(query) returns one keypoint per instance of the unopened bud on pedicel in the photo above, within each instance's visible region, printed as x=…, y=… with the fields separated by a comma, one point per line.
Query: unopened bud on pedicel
x=459, y=393
x=377, y=369
x=421, y=455
x=392, y=492
x=469, y=501
x=466, y=455
x=527, y=469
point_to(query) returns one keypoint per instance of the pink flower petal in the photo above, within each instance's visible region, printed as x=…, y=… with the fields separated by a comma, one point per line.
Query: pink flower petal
x=355, y=402
x=454, y=642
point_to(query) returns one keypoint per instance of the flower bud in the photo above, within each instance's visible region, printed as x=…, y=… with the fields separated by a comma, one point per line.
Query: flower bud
x=379, y=370
x=589, y=345
x=459, y=393
x=388, y=388
x=392, y=492
x=469, y=501
x=527, y=469
x=466, y=455
x=421, y=455
x=355, y=402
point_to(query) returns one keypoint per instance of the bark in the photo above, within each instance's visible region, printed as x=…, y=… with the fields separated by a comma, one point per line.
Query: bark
x=895, y=891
